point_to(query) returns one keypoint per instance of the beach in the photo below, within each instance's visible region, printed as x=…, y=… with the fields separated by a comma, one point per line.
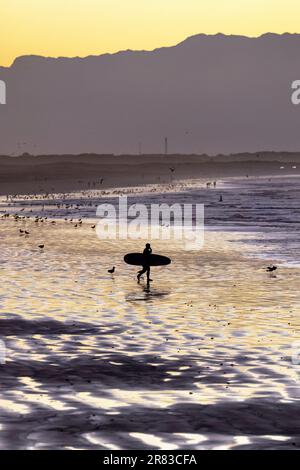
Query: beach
x=48, y=174
x=201, y=360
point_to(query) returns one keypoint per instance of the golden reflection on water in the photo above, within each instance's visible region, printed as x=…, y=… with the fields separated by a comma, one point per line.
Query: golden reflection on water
x=87, y=351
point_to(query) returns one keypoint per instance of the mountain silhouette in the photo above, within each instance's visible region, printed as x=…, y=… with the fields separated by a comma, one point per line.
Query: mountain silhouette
x=208, y=94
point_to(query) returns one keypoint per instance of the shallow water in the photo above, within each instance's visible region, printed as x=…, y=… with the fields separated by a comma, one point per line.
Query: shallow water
x=268, y=207
x=201, y=360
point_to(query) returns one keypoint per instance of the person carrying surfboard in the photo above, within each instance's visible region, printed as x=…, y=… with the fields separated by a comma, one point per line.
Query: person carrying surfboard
x=146, y=267
x=146, y=259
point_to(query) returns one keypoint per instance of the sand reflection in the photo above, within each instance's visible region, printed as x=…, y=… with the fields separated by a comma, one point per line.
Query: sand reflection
x=201, y=360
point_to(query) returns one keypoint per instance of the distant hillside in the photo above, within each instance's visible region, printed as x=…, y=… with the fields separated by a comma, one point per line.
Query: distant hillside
x=50, y=173
x=208, y=94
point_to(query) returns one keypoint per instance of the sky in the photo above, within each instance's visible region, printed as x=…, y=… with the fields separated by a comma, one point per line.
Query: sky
x=84, y=27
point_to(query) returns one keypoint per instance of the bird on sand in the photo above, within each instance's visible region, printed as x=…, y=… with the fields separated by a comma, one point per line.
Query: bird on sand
x=41, y=246
x=271, y=269
x=112, y=270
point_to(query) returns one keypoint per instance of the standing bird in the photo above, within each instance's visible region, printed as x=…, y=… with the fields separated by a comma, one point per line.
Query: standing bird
x=112, y=270
x=41, y=246
x=271, y=270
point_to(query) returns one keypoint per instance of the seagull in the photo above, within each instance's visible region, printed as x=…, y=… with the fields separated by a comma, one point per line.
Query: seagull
x=270, y=269
x=111, y=271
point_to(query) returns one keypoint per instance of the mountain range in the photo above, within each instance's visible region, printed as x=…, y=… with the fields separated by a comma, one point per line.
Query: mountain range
x=208, y=94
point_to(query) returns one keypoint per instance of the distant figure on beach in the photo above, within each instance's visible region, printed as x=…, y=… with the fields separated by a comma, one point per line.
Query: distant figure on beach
x=215, y=184
x=146, y=268
x=208, y=185
x=221, y=198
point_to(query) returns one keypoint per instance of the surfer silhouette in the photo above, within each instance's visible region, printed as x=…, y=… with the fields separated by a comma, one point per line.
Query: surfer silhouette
x=146, y=259
x=146, y=266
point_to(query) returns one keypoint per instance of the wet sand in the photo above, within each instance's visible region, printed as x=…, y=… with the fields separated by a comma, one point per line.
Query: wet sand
x=94, y=361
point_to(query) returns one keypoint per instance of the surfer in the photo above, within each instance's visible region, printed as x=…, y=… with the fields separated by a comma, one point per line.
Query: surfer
x=146, y=267
x=146, y=259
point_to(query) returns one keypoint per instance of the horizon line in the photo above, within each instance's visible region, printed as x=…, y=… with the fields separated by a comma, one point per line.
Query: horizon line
x=122, y=51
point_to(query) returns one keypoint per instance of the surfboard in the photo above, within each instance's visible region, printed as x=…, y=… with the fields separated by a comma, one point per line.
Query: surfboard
x=138, y=259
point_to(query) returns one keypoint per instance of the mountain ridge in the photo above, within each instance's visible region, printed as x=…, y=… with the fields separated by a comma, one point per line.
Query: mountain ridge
x=207, y=94
x=268, y=35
